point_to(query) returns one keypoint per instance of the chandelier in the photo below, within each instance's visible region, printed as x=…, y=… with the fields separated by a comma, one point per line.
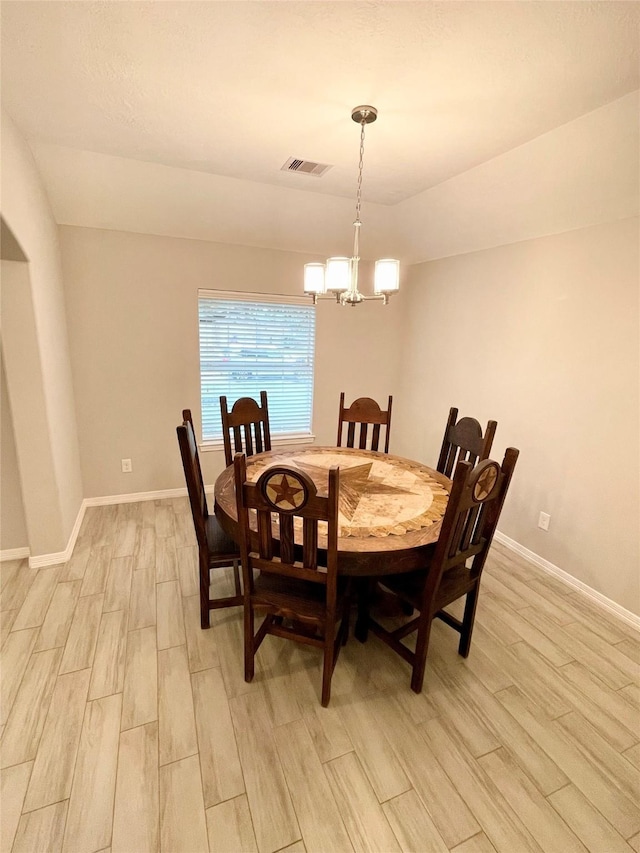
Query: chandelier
x=339, y=276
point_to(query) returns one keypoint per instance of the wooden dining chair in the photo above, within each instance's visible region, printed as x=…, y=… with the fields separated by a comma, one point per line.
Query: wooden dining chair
x=303, y=600
x=455, y=570
x=247, y=425
x=463, y=440
x=364, y=412
x=216, y=550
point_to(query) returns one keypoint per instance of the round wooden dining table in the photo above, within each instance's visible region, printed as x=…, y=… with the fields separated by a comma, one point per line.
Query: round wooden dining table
x=390, y=508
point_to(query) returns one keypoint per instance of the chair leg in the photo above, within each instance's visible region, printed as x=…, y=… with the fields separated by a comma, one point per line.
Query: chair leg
x=249, y=652
x=236, y=578
x=420, y=658
x=204, y=596
x=467, y=622
x=327, y=663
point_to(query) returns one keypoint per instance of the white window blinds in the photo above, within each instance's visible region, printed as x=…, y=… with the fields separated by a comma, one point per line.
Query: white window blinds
x=251, y=343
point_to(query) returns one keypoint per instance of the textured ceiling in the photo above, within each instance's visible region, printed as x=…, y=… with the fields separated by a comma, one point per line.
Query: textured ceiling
x=235, y=88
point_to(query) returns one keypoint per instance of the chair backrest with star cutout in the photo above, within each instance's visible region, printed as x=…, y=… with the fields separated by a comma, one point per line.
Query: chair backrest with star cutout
x=471, y=517
x=288, y=507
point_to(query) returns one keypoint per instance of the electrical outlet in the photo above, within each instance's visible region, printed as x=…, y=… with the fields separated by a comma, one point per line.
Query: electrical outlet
x=126, y=466
x=543, y=520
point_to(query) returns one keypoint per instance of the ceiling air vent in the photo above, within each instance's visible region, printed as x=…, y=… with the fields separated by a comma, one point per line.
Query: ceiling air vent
x=305, y=167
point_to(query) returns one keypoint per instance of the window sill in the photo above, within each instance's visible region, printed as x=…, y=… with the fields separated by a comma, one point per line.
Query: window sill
x=281, y=441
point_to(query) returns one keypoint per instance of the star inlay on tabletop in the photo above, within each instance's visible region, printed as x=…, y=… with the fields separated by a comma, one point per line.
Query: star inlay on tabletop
x=379, y=496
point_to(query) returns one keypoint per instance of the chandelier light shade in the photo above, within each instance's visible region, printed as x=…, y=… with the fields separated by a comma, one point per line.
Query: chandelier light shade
x=339, y=276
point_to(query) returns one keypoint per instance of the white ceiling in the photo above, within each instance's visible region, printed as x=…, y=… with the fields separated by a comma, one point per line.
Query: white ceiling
x=235, y=88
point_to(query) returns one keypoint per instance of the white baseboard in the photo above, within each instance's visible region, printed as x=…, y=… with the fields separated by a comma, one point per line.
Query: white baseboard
x=135, y=497
x=14, y=554
x=597, y=597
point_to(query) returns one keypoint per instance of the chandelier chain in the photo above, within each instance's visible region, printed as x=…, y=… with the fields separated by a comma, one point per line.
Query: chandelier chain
x=360, y=165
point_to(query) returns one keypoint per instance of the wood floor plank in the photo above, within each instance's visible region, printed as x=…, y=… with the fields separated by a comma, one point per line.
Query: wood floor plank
x=621, y=812
x=175, y=706
x=83, y=634
x=125, y=539
x=601, y=754
x=13, y=787
x=630, y=648
x=612, y=715
x=514, y=737
x=587, y=823
x=94, y=580
x=615, y=673
x=272, y=812
x=380, y=762
x=55, y=760
x=57, y=622
x=201, y=644
x=107, y=675
x=499, y=822
x=543, y=692
x=75, y=568
x=363, y=816
x=90, y=815
x=144, y=552
x=319, y=818
x=187, y=570
x=166, y=560
x=7, y=618
x=229, y=827
x=16, y=579
x=452, y=817
x=142, y=607
x=140, y=695
x=183, y=827
x=164, y=520
x=118, y=586
x=552, y=609
x=15, y=657
x=34, y=607
x=136, y=819
x=476, y=844
x=601, y=621
x=412, y=825
x=170, y=624
x=544, y=824
x=549, y=649
x=448, y=698
x=328, y=733
x=633, y=755
x=23, y=730
x=41, y=830
x=219, y=761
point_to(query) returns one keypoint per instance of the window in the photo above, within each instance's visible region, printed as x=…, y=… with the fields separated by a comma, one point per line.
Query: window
x=250, y=343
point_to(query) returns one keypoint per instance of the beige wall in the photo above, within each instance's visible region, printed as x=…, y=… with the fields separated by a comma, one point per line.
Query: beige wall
x=13, y=528
x=133, y=332
x=543, y=337
x=36, y=355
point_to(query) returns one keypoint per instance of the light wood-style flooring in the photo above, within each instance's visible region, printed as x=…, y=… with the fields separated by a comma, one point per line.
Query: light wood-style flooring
x=127, y=728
